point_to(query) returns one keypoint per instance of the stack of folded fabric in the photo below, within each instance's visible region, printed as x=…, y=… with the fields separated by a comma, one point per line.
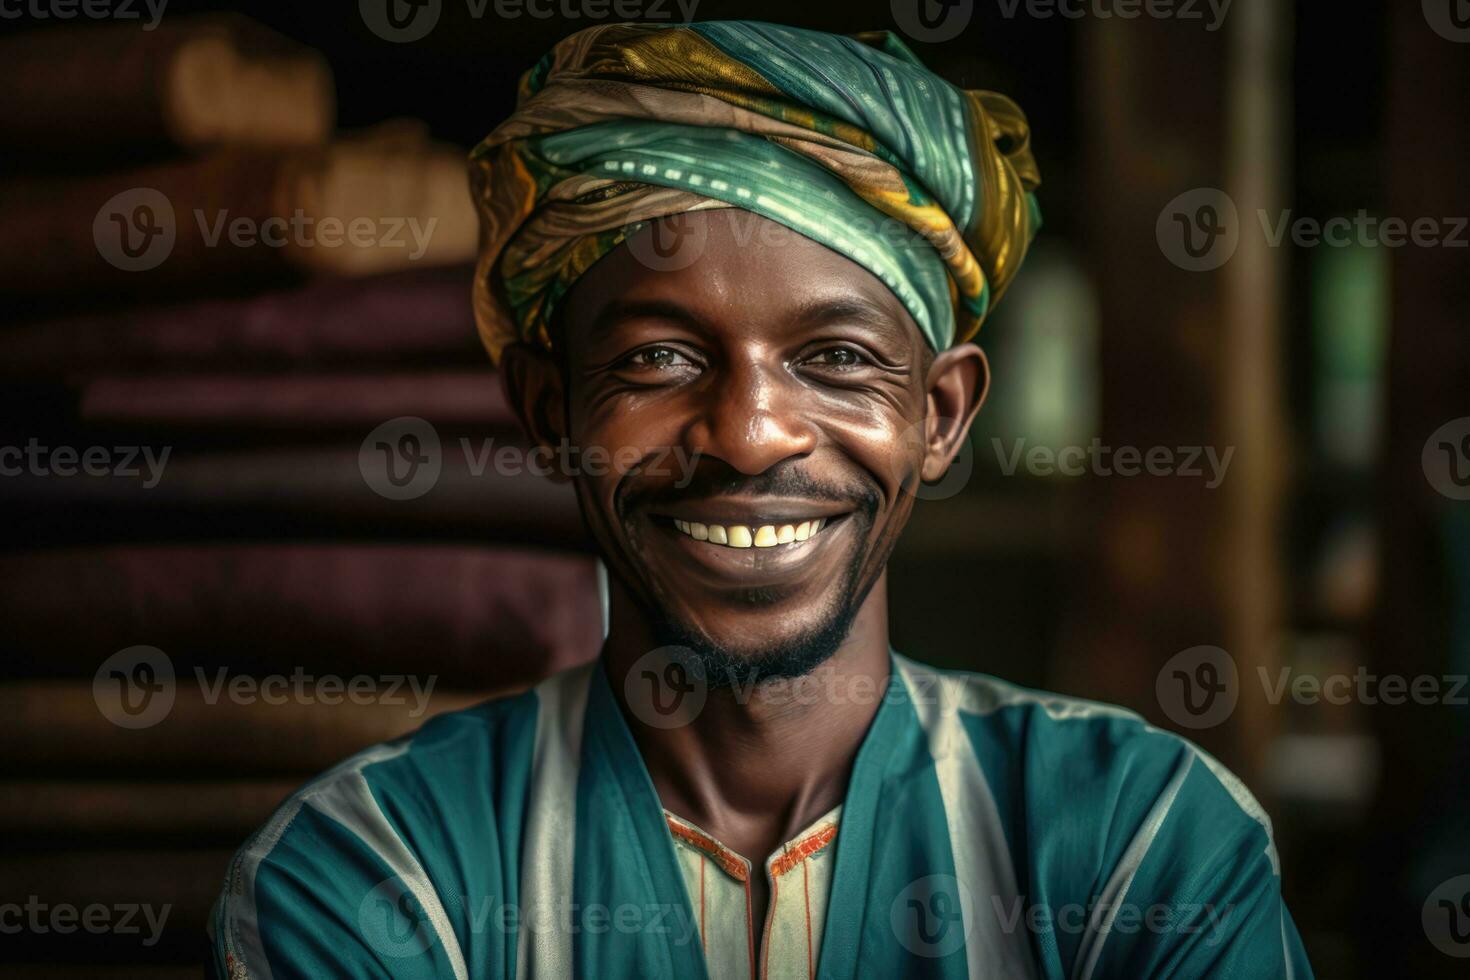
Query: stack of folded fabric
x=223, y=307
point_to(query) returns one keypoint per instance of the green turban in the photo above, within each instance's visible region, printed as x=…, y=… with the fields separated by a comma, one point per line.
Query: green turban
x=841, y=139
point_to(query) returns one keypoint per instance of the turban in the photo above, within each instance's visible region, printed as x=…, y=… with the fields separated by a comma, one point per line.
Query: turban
x=840, y=139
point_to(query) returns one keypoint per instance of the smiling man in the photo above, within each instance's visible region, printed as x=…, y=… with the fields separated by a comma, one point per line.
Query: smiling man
x=765, y=249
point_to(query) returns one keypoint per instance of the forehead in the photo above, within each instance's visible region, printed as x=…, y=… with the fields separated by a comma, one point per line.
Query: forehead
x=733, y=270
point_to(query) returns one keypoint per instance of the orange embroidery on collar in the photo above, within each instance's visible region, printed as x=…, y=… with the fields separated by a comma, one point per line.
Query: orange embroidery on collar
x=729, y=862
x=803, y=849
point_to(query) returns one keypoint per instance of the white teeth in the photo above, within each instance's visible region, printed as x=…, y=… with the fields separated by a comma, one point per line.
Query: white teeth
x=744, y=536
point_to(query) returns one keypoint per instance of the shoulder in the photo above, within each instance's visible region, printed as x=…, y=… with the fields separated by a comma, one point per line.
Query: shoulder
x=429, y=817
x=1146, y=855
x=1045, y=753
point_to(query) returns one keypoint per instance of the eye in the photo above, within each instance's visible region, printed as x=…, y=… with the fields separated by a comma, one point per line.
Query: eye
x=657, y=362
x=838, y=357
x=657, y=357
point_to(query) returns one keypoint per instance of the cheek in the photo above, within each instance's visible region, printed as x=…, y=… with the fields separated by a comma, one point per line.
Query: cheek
x=625, y=431
x=886, y=444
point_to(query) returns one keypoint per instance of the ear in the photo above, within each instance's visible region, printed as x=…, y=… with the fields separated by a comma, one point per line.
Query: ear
x=958, y=381
x=534, y=386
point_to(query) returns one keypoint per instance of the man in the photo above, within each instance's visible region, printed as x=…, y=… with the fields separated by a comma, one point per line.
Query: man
x=763, y=250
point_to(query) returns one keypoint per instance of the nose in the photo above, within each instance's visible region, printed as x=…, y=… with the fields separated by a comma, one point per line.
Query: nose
x=753, y=419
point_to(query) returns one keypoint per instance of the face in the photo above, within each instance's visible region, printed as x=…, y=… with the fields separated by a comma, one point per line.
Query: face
x=769, y=406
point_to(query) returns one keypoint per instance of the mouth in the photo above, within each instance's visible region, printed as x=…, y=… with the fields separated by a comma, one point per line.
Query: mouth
x=795, y=533
x=724, y=543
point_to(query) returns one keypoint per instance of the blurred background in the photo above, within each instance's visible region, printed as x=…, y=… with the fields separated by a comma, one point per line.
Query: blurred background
x=1222, y=477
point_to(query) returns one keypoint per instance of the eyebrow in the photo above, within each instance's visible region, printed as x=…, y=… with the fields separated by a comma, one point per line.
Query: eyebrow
x=823, y=311
x=618, y=311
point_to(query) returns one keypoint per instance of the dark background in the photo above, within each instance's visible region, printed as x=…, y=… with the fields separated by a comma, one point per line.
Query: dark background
x=1326, y=550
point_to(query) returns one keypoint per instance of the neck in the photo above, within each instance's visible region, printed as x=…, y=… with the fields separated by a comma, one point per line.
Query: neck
x=778, y=753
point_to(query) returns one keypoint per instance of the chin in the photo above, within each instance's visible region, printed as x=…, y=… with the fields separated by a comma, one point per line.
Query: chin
x=734, y=660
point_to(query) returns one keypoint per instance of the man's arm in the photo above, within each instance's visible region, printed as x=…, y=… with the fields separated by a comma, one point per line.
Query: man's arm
x=1197, y=891
x=323, y=891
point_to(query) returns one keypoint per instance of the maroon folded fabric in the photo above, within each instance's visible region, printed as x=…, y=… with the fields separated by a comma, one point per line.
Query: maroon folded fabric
x=477, y=617
x=286, y=492
x=472, y=398
x=400, y=320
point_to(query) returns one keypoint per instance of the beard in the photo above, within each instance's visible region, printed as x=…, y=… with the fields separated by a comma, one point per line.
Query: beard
x=726, y=668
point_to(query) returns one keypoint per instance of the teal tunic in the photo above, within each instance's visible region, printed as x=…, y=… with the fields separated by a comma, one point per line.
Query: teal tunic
x=988, y=831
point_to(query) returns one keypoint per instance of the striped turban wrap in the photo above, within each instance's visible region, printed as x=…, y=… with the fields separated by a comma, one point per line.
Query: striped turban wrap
x=840, y=139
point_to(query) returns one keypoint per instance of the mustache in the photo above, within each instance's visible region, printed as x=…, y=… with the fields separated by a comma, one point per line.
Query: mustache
x=714, y=478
